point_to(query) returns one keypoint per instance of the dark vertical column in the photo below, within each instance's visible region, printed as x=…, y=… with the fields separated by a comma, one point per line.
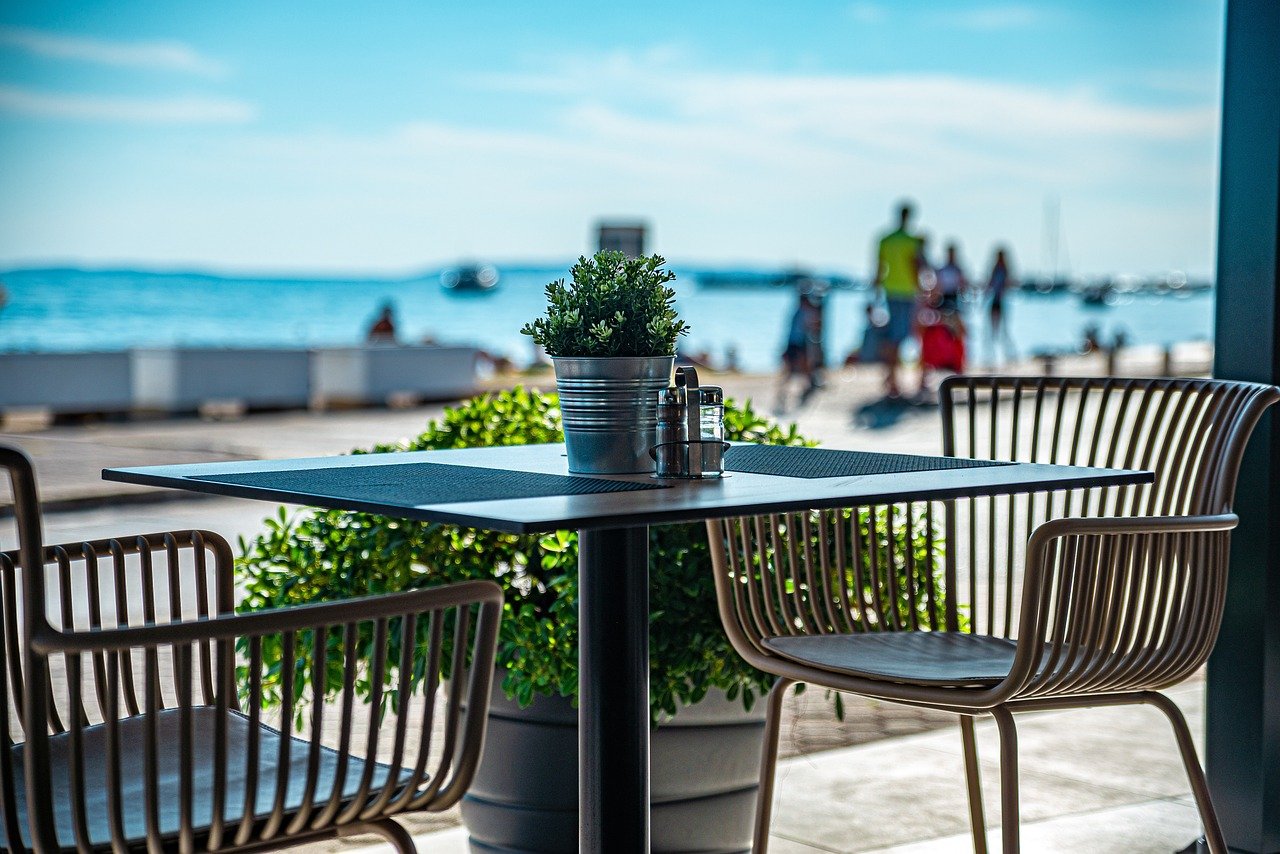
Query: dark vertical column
x=1243, y=738
x=613, y=691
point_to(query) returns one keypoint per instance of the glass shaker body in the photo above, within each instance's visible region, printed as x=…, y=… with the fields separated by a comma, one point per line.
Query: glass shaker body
x=711, y=429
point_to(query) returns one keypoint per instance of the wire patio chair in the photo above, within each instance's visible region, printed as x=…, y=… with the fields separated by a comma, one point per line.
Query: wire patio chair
x=132, y=714
x=1054, y=600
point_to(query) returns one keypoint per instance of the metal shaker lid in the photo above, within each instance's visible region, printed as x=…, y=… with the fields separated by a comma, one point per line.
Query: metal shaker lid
x=672, y=396
x=712, y=395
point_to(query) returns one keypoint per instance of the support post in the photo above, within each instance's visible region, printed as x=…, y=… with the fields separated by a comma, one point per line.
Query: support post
x=1243, y=707
x=613, y=691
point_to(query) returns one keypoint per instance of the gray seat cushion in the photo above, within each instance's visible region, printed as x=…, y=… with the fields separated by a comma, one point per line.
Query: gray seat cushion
x=912, y=658
x=132, y=798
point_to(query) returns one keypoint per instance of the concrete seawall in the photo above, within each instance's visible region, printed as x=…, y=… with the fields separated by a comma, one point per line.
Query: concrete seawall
x=179, y=380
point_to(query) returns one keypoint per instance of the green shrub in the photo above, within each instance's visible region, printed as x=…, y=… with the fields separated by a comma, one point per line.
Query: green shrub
x=616, y=306
x=322, y=555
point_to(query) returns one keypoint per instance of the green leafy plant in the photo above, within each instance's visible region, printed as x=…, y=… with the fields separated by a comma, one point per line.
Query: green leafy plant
x=322, y=555
x=616, y=306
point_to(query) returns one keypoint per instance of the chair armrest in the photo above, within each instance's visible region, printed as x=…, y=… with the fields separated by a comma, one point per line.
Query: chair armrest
x=1096, y=525
x=293, y=618
x=1107, y=586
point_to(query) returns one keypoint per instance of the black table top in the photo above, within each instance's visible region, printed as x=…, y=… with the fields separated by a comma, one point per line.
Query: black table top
x=739, y=494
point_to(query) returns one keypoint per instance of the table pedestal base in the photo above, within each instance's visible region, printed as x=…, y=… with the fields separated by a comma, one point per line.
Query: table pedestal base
x=613, y=690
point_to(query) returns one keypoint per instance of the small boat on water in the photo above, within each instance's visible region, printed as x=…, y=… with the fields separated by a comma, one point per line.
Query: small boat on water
x=470, y=277
x=1045, y=286
x=1098, y=294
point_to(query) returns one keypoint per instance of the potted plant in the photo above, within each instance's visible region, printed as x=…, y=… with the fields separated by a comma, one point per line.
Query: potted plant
x=611, y=335
x=708, y=727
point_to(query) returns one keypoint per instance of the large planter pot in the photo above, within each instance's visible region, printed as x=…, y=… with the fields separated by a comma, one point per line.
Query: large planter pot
x=705, y=771
x=609, y=408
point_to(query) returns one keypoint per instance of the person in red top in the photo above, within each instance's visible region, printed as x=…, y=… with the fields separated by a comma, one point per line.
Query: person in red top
x=383, y=330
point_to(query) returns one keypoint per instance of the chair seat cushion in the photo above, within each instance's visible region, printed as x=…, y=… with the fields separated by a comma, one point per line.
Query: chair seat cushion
x=132, y=776
x=909, y=657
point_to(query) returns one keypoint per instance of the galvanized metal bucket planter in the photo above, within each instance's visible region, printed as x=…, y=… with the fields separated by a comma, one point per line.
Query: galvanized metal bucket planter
x=609, y=409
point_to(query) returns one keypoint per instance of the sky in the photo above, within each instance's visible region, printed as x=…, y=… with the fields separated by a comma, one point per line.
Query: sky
x=392, y=137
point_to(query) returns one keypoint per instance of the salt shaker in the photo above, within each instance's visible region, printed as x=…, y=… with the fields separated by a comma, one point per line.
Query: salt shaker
x=711, y=432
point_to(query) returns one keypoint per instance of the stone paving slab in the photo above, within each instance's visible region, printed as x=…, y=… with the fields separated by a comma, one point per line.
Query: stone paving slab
x=911, y=790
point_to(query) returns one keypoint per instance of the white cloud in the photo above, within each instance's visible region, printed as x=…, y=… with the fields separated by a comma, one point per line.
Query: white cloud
x=728, y=166
x=760, y=166
x=1012, y=16
x=158, y=55
x=181, y=110
x=855, y=106
x=865, y=12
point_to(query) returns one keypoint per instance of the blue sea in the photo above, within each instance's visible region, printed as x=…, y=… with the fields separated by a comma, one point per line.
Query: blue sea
x=58, y=310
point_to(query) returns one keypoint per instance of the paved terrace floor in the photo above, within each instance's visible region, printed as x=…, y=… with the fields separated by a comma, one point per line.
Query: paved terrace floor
x=1103, y=781
x=886, y=779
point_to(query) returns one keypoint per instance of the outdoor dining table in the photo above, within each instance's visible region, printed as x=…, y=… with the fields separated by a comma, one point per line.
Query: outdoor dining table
x=527, y=489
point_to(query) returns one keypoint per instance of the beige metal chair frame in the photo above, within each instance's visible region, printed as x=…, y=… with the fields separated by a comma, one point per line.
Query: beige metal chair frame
x=1046, y=601
x=131, y=710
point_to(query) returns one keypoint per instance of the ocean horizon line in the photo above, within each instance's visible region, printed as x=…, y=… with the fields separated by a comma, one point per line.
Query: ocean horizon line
x=517, y=266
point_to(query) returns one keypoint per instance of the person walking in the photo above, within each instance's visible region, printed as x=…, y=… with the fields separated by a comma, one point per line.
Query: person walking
x=951, y=280
x=803, y=354
x=898, y=265
x=998, y=284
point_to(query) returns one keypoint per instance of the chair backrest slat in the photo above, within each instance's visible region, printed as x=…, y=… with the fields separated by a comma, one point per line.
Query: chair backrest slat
x=1190, y=432
x=94, y=585
x=864, y=569
x=957, y=564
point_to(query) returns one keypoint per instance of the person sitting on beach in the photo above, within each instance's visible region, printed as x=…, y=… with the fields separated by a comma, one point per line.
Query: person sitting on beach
x=868, y=351
x=383, y=330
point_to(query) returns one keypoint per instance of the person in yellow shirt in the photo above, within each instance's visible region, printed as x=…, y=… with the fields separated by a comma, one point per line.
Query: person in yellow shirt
x=899, y=260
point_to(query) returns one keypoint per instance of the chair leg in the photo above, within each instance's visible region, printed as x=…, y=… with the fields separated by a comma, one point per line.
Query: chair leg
x=1010, y=830
x=973, y=781
x=769, y=764
x=389, y=829
x=1195, y=773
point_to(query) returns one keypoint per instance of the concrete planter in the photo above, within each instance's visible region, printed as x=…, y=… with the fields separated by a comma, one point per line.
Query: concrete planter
x=66, y=382
x=182, y=379
x=375, y=374
x=706, y=764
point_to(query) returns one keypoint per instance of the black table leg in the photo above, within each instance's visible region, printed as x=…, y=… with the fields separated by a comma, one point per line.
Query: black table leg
x=613, y=691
